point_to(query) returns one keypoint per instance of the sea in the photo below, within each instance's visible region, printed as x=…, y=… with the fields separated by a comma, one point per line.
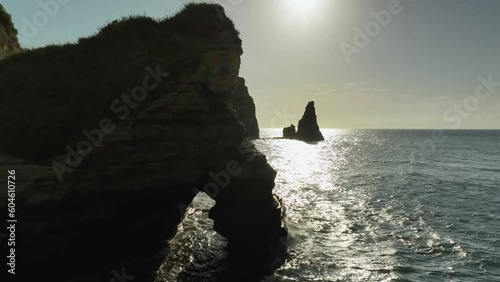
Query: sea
x=368, y=205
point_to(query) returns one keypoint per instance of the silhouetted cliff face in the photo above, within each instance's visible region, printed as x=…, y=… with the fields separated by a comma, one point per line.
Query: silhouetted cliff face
x=245, y=107
x=134, y=130
x=308, y=129
x=8, y=34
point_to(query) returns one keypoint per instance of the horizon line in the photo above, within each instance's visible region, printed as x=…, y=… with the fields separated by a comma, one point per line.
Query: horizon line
x=442, y=129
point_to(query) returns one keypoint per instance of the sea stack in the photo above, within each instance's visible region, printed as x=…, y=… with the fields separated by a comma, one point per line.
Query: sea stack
x=289, y=132
x=308, y=129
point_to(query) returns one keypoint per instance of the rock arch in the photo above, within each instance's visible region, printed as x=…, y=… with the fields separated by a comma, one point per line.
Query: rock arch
x=89, y=214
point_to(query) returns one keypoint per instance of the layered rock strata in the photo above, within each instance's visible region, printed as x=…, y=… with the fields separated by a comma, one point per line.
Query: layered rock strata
x=111, y=140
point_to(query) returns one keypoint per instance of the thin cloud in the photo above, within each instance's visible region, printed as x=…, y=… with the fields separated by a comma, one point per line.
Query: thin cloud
x=441, y=97
x=406, y=96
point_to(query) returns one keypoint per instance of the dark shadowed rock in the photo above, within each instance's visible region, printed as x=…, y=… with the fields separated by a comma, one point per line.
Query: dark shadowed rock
x=289, y=132
x=245, y=107
x=8, y=35
x=114, y=205
x=308, y=129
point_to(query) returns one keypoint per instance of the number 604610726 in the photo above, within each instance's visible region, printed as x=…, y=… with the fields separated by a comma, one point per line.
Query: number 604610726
x=11, y=178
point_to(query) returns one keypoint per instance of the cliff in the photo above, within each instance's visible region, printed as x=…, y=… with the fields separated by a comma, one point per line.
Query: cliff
x=245, y=107
x=113, y=137
x=8, y=35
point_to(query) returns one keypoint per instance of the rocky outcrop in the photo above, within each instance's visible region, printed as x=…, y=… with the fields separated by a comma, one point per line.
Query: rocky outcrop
x=8, y=35
x=308, y=129
x=289, y=132
x=111, y=140
x=245, y=107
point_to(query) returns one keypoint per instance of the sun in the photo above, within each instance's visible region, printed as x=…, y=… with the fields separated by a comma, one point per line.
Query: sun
x=305, y=7
x=301, y=17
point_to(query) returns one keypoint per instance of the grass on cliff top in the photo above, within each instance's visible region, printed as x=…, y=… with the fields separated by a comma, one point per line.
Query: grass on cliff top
x=194, y=19
x=49, y=95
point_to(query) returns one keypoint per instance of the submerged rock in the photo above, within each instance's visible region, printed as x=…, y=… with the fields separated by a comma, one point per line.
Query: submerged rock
x=308, y=129
x=105, y=172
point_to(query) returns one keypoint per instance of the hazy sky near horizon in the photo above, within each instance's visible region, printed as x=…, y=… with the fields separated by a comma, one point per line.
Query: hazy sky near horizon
x=419, y=69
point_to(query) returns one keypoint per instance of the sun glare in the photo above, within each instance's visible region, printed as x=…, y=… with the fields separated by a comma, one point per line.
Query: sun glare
x=304, y=13
x=306, y=7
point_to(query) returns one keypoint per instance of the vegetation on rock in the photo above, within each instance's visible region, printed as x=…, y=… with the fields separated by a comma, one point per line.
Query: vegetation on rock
x=8, y=35
x=49, y=95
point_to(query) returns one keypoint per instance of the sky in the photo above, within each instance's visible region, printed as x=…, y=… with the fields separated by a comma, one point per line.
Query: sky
x=420, y=64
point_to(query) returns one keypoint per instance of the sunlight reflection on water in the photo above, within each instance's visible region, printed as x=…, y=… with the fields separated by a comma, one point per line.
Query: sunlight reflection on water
x=325, y=237
x=354, y=215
